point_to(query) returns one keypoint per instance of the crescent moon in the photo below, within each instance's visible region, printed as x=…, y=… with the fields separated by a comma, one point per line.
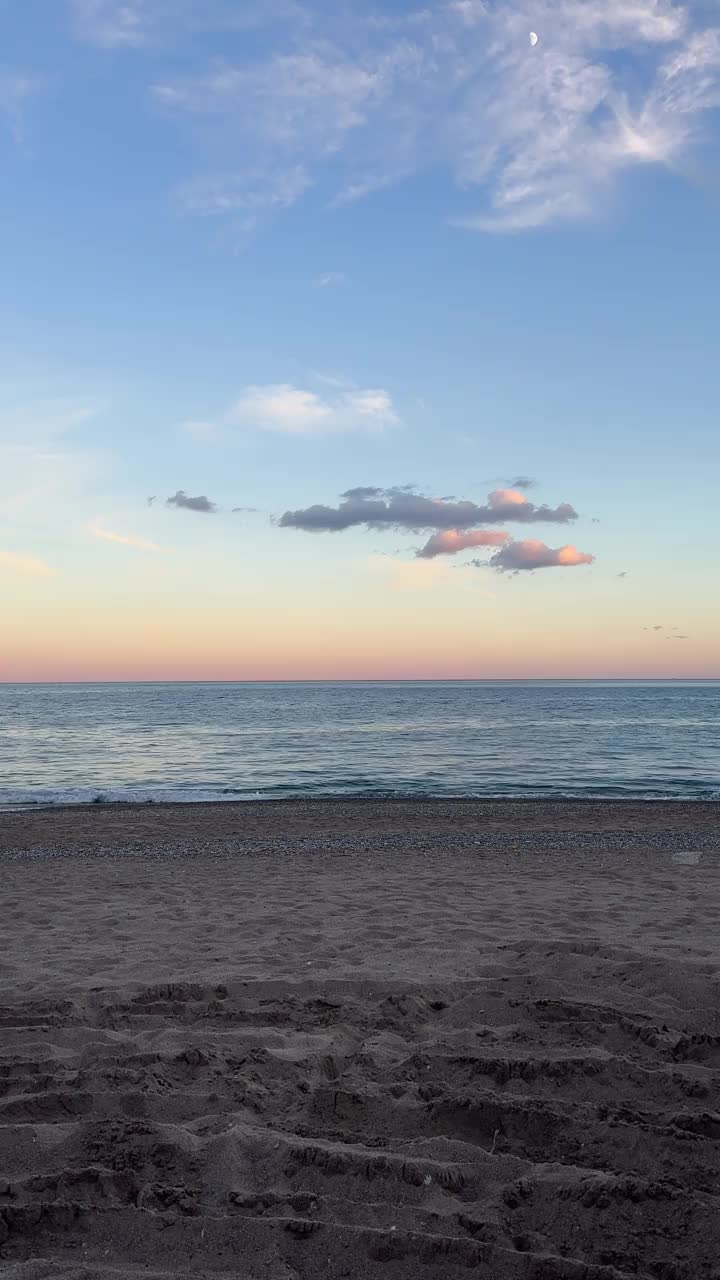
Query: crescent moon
x=533, y=38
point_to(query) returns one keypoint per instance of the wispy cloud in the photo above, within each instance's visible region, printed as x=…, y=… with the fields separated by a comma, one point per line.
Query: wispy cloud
x=47, y=419
x=131, y=24
x=295, y=411
x=41, y=463
x=452, y=541
x=112, y=24
x=403, y=509
x=531, y=134
x=30, y=566
x=248, y=193
x=125, y=540
x=16, y=89
x=515, y=557
x=185, y=503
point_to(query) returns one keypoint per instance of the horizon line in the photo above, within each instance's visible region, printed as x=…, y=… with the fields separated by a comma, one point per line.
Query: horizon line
x=383, y=680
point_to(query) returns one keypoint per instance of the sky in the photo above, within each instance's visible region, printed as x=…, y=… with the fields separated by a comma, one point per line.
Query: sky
x=353, y=340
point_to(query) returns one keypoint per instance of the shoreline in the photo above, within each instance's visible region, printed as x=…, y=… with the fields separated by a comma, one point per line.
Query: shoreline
x=121, y=824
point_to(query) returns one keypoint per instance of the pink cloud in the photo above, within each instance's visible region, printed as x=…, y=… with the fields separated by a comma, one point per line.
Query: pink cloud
x=532, y=554
x=451, y=541
x=507, y=498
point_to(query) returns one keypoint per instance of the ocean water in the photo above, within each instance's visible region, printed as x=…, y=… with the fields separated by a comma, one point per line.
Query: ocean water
x=70, y=743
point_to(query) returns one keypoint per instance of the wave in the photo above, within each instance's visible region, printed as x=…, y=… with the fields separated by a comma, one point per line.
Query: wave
x=361, y=789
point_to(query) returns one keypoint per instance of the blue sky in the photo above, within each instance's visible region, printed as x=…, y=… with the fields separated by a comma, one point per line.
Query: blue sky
x=269, y=253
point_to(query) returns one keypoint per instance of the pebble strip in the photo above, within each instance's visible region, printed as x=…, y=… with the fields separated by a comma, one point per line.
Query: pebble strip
x=535, y=843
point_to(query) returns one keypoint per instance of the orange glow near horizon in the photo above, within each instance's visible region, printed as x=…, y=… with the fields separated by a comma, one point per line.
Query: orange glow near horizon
x=379, y=618
x=230, y=653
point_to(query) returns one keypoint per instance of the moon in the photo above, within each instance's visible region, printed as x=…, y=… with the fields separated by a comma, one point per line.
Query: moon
x=533, y=38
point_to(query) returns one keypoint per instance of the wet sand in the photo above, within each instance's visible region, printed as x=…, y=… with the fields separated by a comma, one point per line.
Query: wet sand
x=361, y=1040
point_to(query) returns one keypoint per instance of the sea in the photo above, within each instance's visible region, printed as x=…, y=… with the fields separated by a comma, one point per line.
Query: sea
x=103, y=743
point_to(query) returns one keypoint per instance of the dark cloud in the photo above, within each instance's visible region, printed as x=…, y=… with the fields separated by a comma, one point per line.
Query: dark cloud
x=152, y=500
x=402, y=509
x=236, y=511
x=677, y=637
x=517, y=556
x=523, y=482
x=202, y=504
x=362, y=492
x=623, y=574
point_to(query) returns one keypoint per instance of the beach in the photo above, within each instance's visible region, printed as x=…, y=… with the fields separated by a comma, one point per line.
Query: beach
x=286, y=1040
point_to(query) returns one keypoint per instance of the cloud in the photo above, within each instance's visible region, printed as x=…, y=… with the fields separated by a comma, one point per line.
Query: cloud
x=126, y=540
x=49, y=419
x=527, y=135
x=677, y=637
x=29, y=566
x=130, y=24
x=402, y=509
x=451, y=541
x=111, y=24
x=517, y=556
x=331, y=279
x=522, y=482
x=202, y=504
x=16, y=89
x=290, y=410
x=362, y=492
x=623, y=574
x=41, y=466
x=249, y=193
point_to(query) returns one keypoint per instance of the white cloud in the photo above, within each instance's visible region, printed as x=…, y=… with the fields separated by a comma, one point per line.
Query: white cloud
x=29, y=566
x=531, y=135
x=293, y=411
x=288, y=410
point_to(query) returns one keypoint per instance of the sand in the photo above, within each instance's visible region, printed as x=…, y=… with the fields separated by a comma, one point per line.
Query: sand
x=360, y=1040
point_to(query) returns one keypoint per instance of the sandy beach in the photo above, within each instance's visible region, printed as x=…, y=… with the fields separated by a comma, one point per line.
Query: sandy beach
x=282, y=1041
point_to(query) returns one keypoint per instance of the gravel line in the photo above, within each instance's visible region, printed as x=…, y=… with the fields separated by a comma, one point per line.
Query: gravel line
x=536, y=843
